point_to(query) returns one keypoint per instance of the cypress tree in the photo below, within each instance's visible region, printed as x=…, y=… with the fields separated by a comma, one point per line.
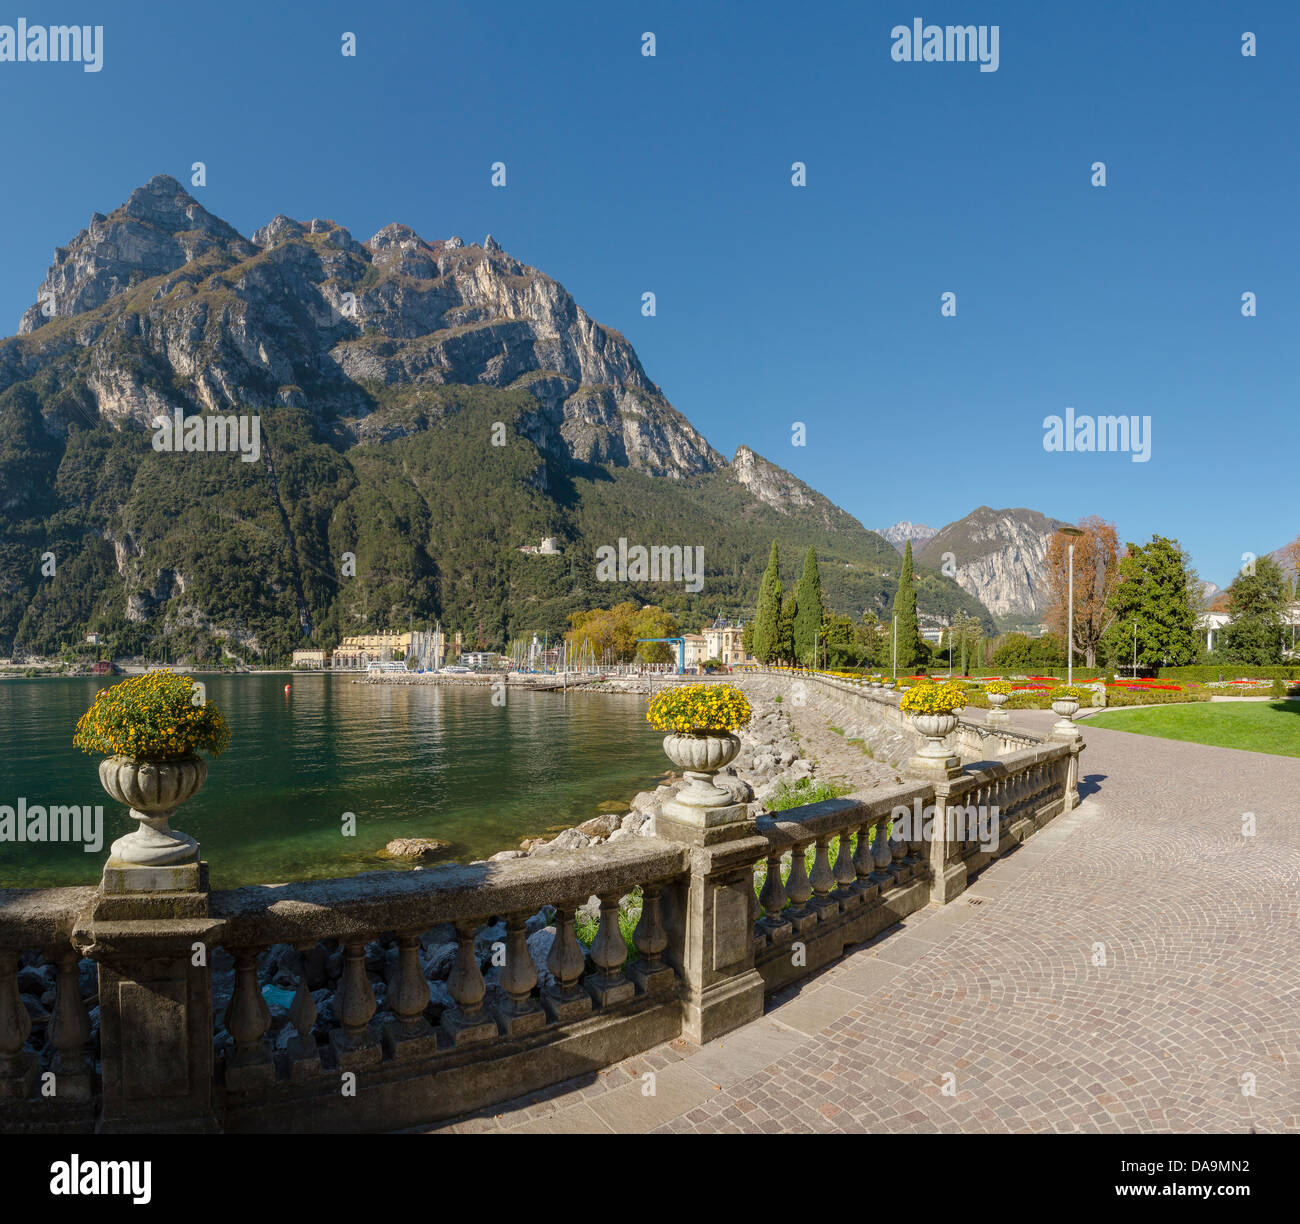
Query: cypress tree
x=785, y=632
x=808, y=619
x=767, y=620
x=909, y=636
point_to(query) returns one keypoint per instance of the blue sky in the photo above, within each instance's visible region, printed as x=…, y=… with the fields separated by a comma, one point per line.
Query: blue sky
x=778, y=304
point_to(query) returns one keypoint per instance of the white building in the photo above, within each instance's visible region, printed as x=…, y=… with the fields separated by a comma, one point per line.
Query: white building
x=549, y=547
x=697, y=648
x=1211, y=623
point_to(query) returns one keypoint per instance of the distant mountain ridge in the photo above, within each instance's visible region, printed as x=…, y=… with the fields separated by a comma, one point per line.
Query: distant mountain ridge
x=426, y=407
x=899, y=534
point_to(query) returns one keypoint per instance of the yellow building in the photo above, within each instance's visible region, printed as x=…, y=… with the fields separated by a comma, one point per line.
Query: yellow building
x=361, y=649
x=726, y=644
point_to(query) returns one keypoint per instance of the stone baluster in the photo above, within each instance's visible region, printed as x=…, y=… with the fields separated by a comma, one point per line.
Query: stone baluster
x=650, y=939
x=823, y=879
x=69, y=1030
x=757, y=934
x=846, y=873
x=17, y=1064
x=566, y=999
x=303, y=1052
x=882, y=855
x=773, y=897
x=799, y=889
x=609, y=952
x=899, y=868
x=916, y=847
x=518, y=1013
x=409, y=1032
x=864, y=864
x=354, y=1007
x=247, y=1020
x=467, y=1021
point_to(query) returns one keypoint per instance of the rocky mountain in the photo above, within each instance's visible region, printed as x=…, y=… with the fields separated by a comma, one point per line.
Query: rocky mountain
x=422, y=408
x=899, y=534
x=999, y=557
x=1288, y=557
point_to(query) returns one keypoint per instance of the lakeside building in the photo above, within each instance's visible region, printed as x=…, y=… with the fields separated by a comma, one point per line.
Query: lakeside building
x=725, y=642
x=696, y=649
x=426, y=647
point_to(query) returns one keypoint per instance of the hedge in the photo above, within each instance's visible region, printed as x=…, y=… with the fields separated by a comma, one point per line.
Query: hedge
x=1202, y=672
x=1153, y=696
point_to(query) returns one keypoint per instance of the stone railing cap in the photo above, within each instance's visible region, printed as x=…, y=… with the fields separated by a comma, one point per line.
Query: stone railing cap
x=40, y=917
x=368, y=904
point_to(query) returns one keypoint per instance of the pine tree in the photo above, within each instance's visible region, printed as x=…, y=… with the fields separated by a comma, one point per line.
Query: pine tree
x=767, y=621
x=808, y=621
x=909, y=635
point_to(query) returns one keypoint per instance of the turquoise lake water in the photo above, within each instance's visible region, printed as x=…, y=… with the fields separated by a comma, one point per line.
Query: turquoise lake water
x=408, y=760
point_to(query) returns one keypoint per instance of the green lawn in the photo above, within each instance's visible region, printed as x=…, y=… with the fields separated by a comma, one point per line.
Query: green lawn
x=1254, y=725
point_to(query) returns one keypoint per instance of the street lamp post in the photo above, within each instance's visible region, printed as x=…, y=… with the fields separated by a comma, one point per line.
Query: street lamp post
x=1069, y=631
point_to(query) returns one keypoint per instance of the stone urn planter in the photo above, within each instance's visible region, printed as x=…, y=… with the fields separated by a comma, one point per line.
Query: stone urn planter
x=936, y=728
x=996, y=713
x=1066, y=710
x=153, y=790
x=875, y=684
x=888, y=685
x=699, y=755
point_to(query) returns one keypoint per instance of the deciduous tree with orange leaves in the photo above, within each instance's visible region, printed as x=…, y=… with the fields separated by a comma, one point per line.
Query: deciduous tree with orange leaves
x=1096, y=570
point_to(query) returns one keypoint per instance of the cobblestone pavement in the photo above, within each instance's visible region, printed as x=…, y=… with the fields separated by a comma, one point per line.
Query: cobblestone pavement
x=1133, y=967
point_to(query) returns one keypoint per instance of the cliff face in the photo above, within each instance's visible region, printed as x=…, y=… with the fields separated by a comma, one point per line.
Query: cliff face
x=1000, y=557
x=379, y=371
x=305, y=308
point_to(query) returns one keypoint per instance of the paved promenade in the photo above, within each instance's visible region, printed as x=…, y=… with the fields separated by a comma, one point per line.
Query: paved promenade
x=1133, y=967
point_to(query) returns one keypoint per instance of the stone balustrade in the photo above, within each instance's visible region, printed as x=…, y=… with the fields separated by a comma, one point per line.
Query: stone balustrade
x=731, y=908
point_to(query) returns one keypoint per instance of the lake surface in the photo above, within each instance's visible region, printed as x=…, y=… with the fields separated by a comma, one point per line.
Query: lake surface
x=409, y=761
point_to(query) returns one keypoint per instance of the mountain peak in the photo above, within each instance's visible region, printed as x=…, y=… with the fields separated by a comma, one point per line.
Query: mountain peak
x=159, y=229
x=899, y=534
x=1000, y=557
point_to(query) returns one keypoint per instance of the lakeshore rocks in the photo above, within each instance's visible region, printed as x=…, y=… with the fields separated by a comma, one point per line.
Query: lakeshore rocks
x=769, y=757
x=413, y=848
x=570, y=839
x=600, y=826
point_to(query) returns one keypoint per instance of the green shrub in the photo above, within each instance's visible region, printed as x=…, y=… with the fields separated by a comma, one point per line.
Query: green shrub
x=802, y=792
x=1134, y=697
